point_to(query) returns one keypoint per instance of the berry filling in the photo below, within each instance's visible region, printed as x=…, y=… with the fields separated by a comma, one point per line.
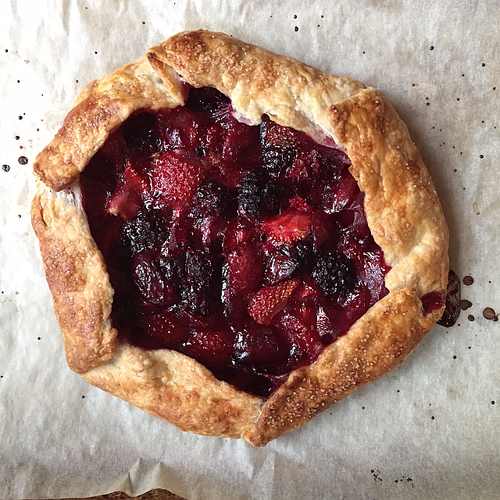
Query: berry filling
x=244, y=247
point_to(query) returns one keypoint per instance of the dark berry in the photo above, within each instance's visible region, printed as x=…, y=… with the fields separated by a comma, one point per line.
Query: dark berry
x=249, y=195
x=150, y=280
x=199, y=292
x=263, y=348
x=206, y=99
x=279, y=147
x=279, y=267
x=277, y=160
x=259, y=194
x=139, y=133
x=173, y=270
x=306, y=255
x=139, y=234
x=335, y=273
x=211, y=199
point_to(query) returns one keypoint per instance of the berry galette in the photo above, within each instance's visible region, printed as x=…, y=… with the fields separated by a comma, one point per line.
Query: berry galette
x=234, y=240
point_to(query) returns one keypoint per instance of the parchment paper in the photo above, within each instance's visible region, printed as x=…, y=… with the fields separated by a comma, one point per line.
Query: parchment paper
x=428, y=430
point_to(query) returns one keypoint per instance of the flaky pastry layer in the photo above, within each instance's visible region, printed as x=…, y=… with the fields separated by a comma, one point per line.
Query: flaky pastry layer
x=402, y=208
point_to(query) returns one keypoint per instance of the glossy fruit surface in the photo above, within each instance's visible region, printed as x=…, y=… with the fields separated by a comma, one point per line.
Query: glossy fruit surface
x=246, y=248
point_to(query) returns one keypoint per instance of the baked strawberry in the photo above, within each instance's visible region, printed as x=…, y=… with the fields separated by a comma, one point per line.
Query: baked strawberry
x=175, y=180
x=278, y=136
x=292, y=225
x=212, y=348
x=298, y=203
x=139, y=182
x=243, y=269
x=166, y=328
x=263, y=347
x=270, y=300
x=306, y=166
x=124, y=201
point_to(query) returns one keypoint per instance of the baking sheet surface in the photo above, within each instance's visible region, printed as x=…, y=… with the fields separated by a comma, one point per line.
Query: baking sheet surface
x=429, y=429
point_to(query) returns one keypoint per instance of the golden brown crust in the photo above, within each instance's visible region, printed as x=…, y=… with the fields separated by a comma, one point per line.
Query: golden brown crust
x=258, y=81
x=402, y=209
x=374, y=345
x=178, y=389
x=100, y=108
x=401, y=204
x=77, y=277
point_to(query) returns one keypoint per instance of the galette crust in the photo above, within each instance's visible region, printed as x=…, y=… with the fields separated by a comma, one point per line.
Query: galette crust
x=77, y=277
x=401, y=204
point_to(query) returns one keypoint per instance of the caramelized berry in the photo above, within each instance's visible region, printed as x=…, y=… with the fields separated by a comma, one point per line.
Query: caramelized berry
x=335, y=273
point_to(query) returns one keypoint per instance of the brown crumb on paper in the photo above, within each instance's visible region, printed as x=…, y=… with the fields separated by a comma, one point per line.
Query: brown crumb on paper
x=489, y=313
x=465, y=304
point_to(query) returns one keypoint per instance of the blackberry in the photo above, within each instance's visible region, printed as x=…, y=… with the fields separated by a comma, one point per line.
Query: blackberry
x=206, y=99
x=335, y=273
x=211, y=199
x=139, y=233
x=259, y=194
x=277, y=159
x=199, y=291
x=279, y=147
x=173, y=269
x=139, y=133
x=305, y=254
